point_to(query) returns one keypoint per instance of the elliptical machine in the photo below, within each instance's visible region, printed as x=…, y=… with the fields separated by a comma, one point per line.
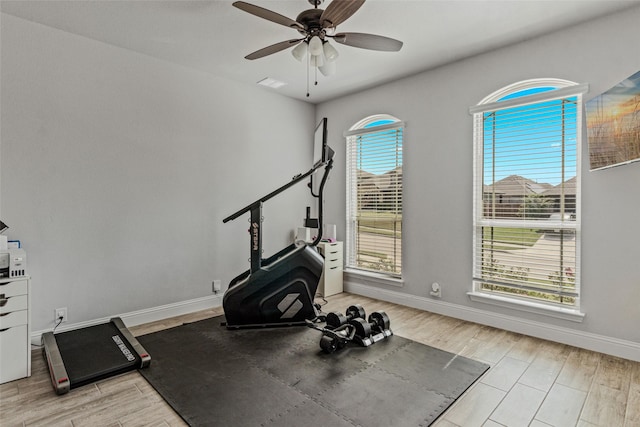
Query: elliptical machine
x=279, y=290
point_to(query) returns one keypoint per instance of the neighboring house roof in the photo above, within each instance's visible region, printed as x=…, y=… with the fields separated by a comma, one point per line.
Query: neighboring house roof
x=513, y=185
x=489, y=189
x=516, y=185
x=382, y=181
x=569, y=188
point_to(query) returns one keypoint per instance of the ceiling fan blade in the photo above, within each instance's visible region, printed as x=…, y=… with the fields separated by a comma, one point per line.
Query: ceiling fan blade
x=267, y=14
x=368, y=41
x=339, y=11
x=265, y=51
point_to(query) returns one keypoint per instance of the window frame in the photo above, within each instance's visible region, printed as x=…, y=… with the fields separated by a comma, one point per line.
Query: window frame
x=359, y=129
x=494, y=102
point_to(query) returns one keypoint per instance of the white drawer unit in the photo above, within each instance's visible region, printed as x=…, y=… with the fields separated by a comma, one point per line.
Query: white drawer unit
x=15, y=329
x=332, y=273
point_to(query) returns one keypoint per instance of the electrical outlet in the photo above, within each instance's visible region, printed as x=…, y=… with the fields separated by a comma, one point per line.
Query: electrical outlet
x=436, y=290
x=60, y=313
x=217, y=285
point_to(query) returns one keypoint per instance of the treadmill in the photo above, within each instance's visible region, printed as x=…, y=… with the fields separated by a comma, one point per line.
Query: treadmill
x=82, y=356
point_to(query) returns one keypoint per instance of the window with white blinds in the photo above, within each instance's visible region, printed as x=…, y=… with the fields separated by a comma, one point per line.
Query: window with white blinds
x=527, y=192
x=374, y=195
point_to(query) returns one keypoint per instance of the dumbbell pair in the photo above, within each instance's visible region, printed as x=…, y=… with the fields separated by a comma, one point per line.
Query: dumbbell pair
x=364, y=331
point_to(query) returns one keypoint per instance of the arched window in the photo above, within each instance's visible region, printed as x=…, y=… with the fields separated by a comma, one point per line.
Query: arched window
x=527, y=194
x=374, y=195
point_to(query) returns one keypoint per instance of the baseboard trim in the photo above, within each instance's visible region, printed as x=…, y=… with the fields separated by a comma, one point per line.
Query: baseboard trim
x=589, y=341
x=146, y=315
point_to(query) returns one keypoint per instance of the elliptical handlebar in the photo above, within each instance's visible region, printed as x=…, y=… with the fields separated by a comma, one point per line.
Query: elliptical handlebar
x=296, y=179
x=325, y=176
x=255, y=208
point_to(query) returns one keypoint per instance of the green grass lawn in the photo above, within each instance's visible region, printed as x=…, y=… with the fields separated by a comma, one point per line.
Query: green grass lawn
x=390, y=224
x=383, y=223
x=525, y=237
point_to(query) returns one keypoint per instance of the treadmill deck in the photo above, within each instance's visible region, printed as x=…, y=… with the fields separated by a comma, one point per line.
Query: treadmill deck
x=85, y=355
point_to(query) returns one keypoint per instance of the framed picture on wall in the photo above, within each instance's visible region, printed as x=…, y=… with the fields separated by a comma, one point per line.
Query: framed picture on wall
x=613, y=125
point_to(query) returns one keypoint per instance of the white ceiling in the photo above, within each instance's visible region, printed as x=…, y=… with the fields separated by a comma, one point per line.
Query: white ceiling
x=213, y=36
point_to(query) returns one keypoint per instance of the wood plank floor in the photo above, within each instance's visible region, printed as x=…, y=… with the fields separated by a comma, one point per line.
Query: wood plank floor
x=531, y=382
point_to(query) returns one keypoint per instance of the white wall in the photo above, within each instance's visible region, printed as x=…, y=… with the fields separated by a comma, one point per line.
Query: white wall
x=117, y=170
x=438, y=155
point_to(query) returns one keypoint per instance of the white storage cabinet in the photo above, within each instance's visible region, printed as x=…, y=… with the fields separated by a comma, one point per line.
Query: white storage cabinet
x=331, y=282
x=15, y=329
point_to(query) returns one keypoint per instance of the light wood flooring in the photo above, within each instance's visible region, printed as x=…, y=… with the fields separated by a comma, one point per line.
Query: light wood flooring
x=531, y=382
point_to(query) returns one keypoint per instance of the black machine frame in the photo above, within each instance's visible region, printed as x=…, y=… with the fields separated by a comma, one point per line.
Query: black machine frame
x=279, y=290
x=256, y=212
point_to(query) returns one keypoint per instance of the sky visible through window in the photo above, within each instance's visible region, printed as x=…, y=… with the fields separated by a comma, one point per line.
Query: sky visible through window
x=528, y=140
x=383, y=141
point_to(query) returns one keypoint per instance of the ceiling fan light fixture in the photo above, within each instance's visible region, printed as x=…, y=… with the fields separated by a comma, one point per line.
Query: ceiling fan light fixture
x=317, y=60
x=315, y=46
x=330, y=52
x=299, y=52
x=328, y=69
x=315, y=26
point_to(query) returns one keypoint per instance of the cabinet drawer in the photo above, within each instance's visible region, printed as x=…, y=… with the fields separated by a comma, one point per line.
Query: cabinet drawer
x=332, y=262
x=333, y=251
x=10, y=289
x=330, y=248
x=7, y=305
x=14, y=353
x=13, y=319
x=331, y=275
x=328, y=245
x=332, y=283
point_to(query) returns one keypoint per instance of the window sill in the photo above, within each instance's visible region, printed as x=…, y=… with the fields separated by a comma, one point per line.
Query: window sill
x=371, y=276
x=571, y=314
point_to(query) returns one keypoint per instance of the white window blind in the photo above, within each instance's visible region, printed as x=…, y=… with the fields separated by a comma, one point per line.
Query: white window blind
x=527, y=194
x=374, y=196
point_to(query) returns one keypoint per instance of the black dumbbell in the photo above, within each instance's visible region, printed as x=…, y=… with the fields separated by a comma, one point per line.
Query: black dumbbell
x=379, y=321
x=329, y=344
x=335, y=319
x=373, y=330
x=335, y=339
x=362, y=329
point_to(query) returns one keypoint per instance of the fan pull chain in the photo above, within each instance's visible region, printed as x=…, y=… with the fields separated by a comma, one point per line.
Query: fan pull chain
x=308, y=65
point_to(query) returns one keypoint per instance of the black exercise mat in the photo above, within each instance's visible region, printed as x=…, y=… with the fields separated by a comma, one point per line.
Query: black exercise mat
x=213, y=376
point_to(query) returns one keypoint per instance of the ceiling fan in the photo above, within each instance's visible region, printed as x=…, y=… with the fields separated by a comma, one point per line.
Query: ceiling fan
x=317, y=26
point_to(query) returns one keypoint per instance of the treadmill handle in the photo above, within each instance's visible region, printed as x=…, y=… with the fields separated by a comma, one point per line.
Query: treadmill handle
x=59, y=377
